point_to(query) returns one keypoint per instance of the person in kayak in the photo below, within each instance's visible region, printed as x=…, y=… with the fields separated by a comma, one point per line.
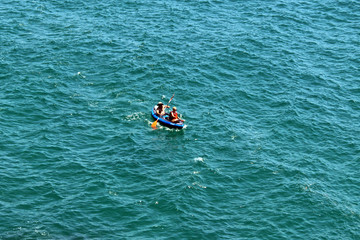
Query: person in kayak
x=173, y=116
x=160, y=110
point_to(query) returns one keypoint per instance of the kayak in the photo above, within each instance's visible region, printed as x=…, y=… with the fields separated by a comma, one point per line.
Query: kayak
x=165, y=120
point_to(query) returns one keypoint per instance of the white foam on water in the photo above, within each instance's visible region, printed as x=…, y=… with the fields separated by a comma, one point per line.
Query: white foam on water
x=199, y=159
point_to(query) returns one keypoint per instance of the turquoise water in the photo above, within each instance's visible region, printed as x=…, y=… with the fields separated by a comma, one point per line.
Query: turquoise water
x=269, y=90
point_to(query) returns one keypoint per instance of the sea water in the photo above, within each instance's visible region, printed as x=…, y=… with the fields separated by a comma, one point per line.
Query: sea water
x=270, y=91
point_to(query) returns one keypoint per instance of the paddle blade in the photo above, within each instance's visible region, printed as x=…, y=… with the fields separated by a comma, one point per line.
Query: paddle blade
x=153, y=125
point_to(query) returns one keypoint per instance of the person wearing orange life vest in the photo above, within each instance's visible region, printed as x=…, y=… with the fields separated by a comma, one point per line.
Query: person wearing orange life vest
x=173, y=116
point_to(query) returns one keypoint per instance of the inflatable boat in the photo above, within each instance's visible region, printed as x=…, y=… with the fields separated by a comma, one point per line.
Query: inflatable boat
x=164, y=120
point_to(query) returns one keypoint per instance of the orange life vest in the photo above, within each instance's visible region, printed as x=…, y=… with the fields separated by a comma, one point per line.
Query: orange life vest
x=173, y=115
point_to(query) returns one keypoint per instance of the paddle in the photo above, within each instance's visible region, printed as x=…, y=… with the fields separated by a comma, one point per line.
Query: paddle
x=153, y=125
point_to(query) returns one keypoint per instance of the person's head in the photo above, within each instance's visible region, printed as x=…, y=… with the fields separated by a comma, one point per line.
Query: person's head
x=174, y=109
x=160, y=104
